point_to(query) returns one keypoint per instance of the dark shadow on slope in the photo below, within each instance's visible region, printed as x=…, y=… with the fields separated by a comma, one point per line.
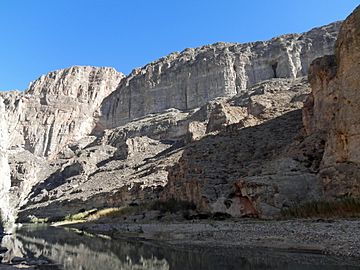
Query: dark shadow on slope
x=55, y=180
x=237, y=152
x=176, y=146
x=233, y=153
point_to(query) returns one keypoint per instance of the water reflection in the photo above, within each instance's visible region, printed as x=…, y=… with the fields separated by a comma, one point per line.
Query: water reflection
x=71, y=250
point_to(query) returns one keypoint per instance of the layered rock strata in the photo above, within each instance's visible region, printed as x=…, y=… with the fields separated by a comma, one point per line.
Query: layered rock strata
x=189, y=79
x=57, y=109
x=130, y=164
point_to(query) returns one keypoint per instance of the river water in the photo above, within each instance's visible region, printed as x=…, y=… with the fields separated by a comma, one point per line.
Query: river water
x=68, y=249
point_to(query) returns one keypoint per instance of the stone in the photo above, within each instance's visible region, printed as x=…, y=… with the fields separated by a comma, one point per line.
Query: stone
x=56, y=110
x=131, y=162
x=319, y=107
x=16, y=260
x=245, y=171
x=190, y=79
x=223, y=115
x=195, y=131
x=333, y=108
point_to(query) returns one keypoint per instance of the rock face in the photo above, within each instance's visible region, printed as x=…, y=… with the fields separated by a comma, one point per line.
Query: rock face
x=189, y=79
x=131, y=163
x=246, y=169
x=5, y=182
x=218, y=125
x=56, y=110
x=334, y=108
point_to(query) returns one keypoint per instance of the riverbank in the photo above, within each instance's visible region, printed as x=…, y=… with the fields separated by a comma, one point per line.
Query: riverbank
x=330, y=237
x=198, y=244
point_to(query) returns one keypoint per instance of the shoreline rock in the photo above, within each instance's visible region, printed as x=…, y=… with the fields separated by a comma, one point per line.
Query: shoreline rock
x=327, y=237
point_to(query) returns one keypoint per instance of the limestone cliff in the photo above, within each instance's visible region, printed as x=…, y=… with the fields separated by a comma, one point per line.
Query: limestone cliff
x=212, y=125
x=170, y=154
x=58, y=108
x=333, y=109
x=189, y=79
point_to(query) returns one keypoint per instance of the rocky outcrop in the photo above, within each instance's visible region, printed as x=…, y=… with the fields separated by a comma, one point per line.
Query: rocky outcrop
x=245, y=172
x=318, y=109
x=58, y=108
x=189, y=79
x=333, y=108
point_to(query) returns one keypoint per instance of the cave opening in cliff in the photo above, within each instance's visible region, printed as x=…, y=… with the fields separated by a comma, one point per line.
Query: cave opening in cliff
x=274, y=67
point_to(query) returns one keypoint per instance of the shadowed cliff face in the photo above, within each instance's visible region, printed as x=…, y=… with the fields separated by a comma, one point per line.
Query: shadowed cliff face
x=254, y=171
x=193, y=77
x=334, y=108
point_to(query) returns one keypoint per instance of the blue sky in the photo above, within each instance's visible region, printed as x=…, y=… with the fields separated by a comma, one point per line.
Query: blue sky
x=38, y=36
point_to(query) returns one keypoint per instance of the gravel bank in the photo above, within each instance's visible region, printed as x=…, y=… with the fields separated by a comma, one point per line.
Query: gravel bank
x=333, y=237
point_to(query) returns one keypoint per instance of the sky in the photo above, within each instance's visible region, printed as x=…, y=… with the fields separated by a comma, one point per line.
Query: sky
x=39, y=36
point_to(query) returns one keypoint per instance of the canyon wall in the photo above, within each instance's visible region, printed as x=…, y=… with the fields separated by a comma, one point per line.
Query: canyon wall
x=58, y=108
x=189, y=79
x=85, y=137
x=333, y=109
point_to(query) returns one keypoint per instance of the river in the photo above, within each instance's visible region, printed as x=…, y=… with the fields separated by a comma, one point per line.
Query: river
x=70, y=249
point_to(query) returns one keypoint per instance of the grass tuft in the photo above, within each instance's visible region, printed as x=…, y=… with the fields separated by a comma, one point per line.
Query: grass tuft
x=340, y=208
x=36, y=220
x=173, y=206
x=80, y=216
x=170, y=206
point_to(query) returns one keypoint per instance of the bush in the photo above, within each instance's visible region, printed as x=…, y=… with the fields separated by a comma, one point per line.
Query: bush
x=82, y=215
x=341, y=208
x=173, y=206
x=36, y=220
